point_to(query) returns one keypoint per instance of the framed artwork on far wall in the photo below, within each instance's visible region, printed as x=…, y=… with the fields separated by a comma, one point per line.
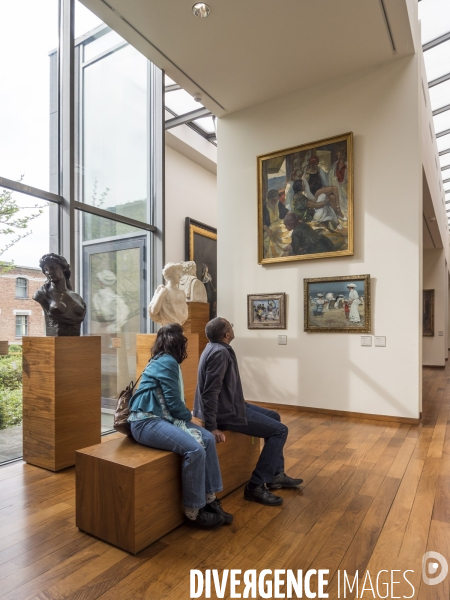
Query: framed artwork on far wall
x=428, y=313
x=305, y=201
x=201, y=247
x=337, y=304
x=266, y=311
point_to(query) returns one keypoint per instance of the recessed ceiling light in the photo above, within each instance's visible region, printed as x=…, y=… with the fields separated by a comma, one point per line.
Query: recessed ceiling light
x=200, y=9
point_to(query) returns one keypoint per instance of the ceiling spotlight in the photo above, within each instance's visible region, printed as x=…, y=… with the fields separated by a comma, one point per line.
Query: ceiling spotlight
x=198, y=97
x=432, y=219
x=201, y=10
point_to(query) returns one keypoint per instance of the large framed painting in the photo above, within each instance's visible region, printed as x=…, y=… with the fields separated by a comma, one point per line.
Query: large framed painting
x=266, y=311
x=201, y=247
x=305, y=201
x=428, y=313
x=337, y=304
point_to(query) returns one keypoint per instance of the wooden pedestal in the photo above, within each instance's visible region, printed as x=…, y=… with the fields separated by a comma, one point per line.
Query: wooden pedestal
x=61, y=398
x=197, y=319
x=189, y=367
x=4, y=348
x=130, y=495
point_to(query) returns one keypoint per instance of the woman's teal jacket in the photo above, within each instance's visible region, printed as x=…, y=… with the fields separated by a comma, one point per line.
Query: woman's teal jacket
x=163, y=372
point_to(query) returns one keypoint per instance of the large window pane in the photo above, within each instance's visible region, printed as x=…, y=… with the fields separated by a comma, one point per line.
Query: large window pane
x=437, y=61
x=20, y=278
x=113, y=275
x=29, y=33
x=113, y=149
x=442, y=121
x=435, y=17
x=440, y=95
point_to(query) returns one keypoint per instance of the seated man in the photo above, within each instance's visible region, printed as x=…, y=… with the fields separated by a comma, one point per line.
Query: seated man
x=219, y=402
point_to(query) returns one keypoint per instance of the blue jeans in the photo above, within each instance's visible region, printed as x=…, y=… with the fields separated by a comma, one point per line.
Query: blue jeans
x=264, y=423
x=200, y=471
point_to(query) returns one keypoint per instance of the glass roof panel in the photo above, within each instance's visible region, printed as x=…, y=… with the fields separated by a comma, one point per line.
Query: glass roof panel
x=435, y=17
x=444, y=160
x=447, y=187
x=442, y=121
x=168, y=81
x=440, y=95
x=437, y=60
x=443, y=142
x=180, y=102
x=206, y=123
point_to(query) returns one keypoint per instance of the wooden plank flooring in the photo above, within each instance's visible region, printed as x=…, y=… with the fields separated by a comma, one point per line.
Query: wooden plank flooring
x=376, y=497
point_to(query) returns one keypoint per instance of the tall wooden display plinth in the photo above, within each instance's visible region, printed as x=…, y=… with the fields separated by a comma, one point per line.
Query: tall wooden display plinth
x=194, y=330
x=61, y=399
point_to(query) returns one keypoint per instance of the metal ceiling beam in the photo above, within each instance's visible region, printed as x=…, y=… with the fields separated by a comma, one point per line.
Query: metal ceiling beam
x=187, y=118
x=172, y=88
x=440, y=40
x=438, y=111
x=446, y=180
x=442, y=152
x=439, y=80
x=442, y=133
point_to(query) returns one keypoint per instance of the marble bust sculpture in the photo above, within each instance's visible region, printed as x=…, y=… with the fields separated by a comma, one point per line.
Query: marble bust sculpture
x=64, y=309
x=168, y=304
x=193, y=288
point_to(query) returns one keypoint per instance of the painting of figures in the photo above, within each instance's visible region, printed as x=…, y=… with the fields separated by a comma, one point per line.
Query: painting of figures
x=266, y=311
x=201, y=247
x=337, y=304
x=305, y=201
x=428, y=313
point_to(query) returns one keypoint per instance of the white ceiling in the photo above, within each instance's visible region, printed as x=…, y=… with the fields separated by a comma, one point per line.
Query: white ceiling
x=249, y=51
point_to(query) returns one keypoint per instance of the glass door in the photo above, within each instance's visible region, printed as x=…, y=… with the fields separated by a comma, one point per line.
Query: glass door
x=114, y=288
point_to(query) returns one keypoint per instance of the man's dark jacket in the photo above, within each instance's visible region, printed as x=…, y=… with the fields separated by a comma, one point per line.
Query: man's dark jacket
x=219, y=398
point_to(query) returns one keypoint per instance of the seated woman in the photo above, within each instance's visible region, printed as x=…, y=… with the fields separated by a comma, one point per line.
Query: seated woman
x=159, y=419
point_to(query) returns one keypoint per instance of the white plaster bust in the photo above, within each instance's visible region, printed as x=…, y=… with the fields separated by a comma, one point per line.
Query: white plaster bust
x=168, y=304
x=193, y=288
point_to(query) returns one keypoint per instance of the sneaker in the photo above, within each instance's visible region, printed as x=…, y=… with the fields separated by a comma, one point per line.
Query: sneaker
x=262, y=495
x=284, y=481
x=216, y=507
x=205, y=520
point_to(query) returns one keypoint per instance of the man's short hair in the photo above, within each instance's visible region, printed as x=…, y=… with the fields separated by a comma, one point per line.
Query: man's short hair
x=216, y=329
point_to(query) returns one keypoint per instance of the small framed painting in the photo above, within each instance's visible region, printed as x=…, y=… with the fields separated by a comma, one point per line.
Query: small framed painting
x=337, y=304
x=428, y=313
x=266, y=311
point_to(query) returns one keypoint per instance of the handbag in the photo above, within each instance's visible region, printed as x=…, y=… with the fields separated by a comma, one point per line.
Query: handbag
x=123, y=409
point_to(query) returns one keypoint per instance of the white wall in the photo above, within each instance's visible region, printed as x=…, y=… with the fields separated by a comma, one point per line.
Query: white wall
x=435, y=278
x=327, y=370
x=191, y=191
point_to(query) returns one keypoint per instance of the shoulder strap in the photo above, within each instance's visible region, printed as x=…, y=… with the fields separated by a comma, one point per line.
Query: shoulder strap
x=139, y=378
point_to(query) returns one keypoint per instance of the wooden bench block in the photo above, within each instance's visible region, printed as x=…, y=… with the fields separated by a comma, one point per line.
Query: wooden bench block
x=61, y=398
x=130, y=495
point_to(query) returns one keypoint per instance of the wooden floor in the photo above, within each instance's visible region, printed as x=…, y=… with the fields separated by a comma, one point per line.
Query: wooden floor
x=376, y=496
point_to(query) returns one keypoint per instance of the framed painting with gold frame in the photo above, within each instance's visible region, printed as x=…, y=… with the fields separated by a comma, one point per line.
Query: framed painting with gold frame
x=337, y=304
x=201, y=247
x=305, y=201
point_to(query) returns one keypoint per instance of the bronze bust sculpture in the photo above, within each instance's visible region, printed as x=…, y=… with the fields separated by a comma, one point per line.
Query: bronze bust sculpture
x=64, y=309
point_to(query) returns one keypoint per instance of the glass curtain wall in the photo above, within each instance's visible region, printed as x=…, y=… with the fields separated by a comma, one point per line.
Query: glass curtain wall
x=81, y=176
x=29, y=189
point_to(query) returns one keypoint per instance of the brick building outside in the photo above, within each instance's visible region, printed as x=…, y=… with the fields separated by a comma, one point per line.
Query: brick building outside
x=19, y=314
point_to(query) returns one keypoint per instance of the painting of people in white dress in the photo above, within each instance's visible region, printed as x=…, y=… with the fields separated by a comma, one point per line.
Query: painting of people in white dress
x=305, y=201
x=337, y=304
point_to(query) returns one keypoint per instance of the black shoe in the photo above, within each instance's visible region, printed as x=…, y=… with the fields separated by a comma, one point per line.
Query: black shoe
x=262, y=495
x=216, y=507
x=284, y=481
x=205, y=520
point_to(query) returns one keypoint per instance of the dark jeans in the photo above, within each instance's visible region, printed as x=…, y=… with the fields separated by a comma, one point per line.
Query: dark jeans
x=266, y=424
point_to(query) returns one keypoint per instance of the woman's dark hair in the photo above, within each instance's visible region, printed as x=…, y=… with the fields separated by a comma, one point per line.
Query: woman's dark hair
x=216, y=329
x=170, y=340
x=62, y=262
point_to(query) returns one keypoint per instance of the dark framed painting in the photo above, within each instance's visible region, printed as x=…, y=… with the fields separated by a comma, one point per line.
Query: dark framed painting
x=201, y=247
x=305, y=201
x=428, y=313
x=337, y=304
x=266, y=311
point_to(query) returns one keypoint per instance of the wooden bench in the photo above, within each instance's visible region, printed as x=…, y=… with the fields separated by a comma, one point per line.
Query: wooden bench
x=130, y=495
